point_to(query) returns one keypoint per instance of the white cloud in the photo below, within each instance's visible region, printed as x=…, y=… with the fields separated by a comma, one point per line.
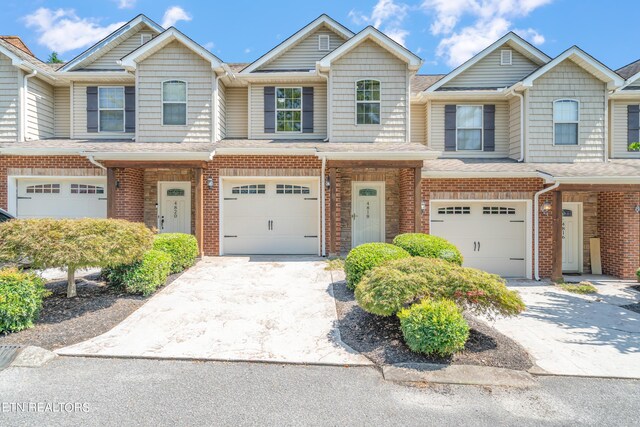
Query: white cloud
x=387, y=16
x=209, y=46
x=491, y=19
x=173, y=15
x=126, y=4
x=62, y=30
x=247, y=50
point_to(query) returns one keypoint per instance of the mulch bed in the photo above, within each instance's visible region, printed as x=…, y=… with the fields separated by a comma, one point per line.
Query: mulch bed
x=65, y=321
x=380, y=339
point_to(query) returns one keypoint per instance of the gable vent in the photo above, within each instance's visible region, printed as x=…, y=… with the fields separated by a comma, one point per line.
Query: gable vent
x=144, y=37
x=323, y=42
x=506, y=57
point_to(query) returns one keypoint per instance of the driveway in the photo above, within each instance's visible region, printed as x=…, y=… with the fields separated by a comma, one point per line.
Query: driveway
x=276, y=309
x=570, y=334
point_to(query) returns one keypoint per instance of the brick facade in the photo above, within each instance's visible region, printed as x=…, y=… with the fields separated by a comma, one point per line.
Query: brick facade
x=151, y=179
x=407, y=197
x=619, y=229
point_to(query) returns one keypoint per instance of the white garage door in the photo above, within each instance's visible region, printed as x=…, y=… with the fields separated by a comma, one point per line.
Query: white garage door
x=61, y=198
x=267, y=216
x=491, y=236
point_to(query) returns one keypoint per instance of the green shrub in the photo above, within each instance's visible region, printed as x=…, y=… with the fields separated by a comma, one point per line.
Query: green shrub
x=634, y=146
x=21, y=296
x=579, y=288
x=434, y=327
x=386, y=289
x=142, y=277
x=183, y=249
x=638, y=274
x=364, y=257
x=428, y=246
x=73, y=243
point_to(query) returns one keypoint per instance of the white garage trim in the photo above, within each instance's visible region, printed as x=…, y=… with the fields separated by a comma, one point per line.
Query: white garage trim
x=221, y=182
x=528, y=223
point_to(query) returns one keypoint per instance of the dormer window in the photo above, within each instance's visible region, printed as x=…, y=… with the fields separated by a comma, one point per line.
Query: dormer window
x=323, y=42
x=506, y=57
x=144, y=37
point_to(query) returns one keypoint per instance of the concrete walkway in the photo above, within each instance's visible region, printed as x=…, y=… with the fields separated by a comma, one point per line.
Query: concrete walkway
x=584, y=335
x=275, y=309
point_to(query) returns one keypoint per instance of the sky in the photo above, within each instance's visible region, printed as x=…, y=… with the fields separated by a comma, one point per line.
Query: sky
x=444, y=33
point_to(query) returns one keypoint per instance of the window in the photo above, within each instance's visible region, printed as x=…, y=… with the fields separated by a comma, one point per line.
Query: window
x=368, y=192
x=44, y=189
x=323, y=42
x=368, y=102
x=498, y=210
x=86, y=189
x=506, y=57
x=454, y=210
x=469, y=127
x=175, y=192
x=249, y=189
x=291, y=189
x=174, y=103
x=565, y=122
x=111, y=109
x=288, y=109
x=144, y=37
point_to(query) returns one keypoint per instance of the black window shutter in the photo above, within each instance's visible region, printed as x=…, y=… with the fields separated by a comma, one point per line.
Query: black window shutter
x=633, y=124
x=129, y=108
x=269, y=109
x=489, y=119
x=307, y=109
x=450, y=128
x=92, y=108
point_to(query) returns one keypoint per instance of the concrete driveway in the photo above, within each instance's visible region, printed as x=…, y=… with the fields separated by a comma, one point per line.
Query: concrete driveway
x=276, y=309
x=584, y=335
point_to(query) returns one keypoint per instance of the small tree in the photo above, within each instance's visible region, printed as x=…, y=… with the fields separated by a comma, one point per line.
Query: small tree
x=73, y=244
x=54, y=59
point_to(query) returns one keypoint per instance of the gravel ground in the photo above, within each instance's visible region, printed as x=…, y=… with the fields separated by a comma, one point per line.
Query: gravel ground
x=380, y=339
x=64, y=321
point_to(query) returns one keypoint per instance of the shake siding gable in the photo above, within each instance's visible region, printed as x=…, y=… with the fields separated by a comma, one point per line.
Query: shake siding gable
x=236, y=112
x=174, y=62
x=369, y=60
x=108, y=60
x=567, y=81
x=40, y=113
x=61, y=111
x=8, y=100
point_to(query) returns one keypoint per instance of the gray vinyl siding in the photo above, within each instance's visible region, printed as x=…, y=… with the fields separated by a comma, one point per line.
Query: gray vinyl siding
x=567, y=81
x=502, y=131
x=80, y=114
x=619, y=130
x=489, y=73
x=40, y=115
x=8, y=101
x=305, y=53
x=370, y=61
x=108, y=60
x=514, y=128
x=61, y=110
x=319, y=113
x=237, y=112
x=222, y=111
x=418, y=123
x=174, y=62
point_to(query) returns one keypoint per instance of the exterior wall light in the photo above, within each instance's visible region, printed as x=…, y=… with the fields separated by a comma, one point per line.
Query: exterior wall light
x=117, y=183
x=210, y=183
x=637, y=209
x=327, y=183
x=546, y=207
x=423, y=207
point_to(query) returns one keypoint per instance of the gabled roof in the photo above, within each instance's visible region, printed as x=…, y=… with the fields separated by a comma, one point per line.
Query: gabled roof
x=629, y=70
x=582, y=59
x=17, y=42
x=130, y=61
x=514, y=40
x=297, y=36
x=110, y=40
x=20, y=58
x=371, y=33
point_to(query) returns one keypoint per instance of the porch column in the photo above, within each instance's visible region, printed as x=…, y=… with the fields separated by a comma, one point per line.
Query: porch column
x=332, y=210
x=418, y=199
x=556, y=253
x=111, y=193
x=199, y=215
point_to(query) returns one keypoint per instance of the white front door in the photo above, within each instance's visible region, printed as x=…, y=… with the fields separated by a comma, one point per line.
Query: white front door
x=59, y=197
x=367, y=216
x=174, y=207
x=571, y=219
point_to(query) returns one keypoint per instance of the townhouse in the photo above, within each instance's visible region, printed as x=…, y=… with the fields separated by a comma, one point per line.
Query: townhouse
x=329, y=140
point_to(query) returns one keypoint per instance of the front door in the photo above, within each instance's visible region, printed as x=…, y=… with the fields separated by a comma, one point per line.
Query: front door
x=571, y=250
x=367, y=217
x=174, y=207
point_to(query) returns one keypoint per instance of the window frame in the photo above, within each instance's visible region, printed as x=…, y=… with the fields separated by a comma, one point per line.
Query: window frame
x=577, y=122
x=481, y=128
x=328, y=38
x=503, y=63
x=301, y=109
x=112, y=109
x=186, y=102
x=379, y=101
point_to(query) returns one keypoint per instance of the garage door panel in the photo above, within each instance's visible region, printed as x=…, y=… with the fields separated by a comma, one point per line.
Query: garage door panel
x=58, y=197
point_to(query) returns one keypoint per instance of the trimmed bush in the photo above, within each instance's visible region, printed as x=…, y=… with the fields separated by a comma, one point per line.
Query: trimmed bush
x=434, y=327
x=428, y=246
x=364, y=257
x=183, y=249
x=638, y=274
x=142, y=277
x=73, y=243
x=21, y=296
x=387, y=289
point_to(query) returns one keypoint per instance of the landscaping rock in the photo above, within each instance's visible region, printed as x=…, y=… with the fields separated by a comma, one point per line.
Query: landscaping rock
x=32, y=357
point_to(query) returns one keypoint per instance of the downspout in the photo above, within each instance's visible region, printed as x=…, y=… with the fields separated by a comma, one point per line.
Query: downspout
x=326, y=77
x=323, y=213
x=23, y=109
x=536, y=225
x=519, y=95
x=95, y=162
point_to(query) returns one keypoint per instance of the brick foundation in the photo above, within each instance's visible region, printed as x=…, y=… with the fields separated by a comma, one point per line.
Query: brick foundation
x=619, y=229
x=129, y=198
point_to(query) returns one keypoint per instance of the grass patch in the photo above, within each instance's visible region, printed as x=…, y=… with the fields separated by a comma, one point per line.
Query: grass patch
x=335, y=264
x=578, y=288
